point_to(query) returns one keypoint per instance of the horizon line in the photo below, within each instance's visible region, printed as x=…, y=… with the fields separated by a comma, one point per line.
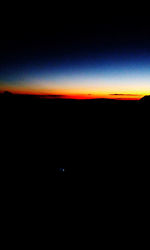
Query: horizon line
x=78, y=96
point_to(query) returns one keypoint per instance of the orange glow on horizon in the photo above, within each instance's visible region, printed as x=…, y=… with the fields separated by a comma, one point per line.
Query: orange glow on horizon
x=77, y=96
x=78, y=93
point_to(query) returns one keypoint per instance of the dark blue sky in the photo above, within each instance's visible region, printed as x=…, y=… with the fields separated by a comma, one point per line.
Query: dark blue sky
x=96, y=57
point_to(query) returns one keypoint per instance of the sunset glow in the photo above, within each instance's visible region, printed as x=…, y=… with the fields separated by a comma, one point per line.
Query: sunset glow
x=78, y=69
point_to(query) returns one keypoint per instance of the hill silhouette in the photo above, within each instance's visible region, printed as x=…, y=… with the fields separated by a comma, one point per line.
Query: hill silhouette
x=7, y=93
x=145, y=99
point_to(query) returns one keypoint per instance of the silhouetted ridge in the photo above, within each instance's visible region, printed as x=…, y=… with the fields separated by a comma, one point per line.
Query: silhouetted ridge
x=7, y=93
x=145, y=99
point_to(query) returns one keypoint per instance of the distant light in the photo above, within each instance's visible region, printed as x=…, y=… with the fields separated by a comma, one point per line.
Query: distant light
x=61, y=169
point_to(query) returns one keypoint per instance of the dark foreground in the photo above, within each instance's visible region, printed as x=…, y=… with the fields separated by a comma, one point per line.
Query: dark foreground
x=103, y=139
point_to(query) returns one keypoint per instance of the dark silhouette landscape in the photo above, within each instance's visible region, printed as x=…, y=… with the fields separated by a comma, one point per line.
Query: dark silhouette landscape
x=44, y=137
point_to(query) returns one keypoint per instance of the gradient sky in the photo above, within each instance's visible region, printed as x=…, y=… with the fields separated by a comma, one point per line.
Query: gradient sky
x=111, y=62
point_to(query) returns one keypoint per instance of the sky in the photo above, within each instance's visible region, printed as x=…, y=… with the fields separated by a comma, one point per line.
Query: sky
x=103, y=60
